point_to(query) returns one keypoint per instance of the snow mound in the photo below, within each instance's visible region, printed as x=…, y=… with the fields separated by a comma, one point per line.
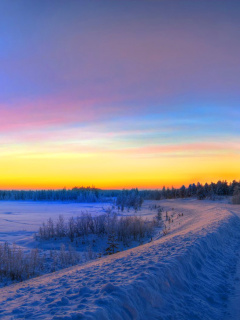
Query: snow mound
x=184, y=275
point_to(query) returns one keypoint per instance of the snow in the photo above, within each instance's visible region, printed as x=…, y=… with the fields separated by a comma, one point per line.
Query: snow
x=234, y=298
x=191, y=273
x=20, y=221
x=24, y=216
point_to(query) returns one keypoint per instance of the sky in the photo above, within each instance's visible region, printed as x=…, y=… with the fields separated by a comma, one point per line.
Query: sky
x=119, y=93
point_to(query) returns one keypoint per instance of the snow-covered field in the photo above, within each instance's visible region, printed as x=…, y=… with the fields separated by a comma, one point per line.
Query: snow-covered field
x=191, y=273
x=19, y=221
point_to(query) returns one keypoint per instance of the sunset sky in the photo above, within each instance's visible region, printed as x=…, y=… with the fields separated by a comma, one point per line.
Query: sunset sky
x=119, y=93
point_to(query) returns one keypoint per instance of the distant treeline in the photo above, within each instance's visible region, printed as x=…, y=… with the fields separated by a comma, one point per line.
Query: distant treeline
x=200, y=191
x=82, y=194
x=126, y=198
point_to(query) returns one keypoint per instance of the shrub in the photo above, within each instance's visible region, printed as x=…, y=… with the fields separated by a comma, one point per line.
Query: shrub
x=126, y=228
x=236, y=195
x=17, y=265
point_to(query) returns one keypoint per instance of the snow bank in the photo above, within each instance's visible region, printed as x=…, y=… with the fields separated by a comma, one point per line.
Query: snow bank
x=184, y=275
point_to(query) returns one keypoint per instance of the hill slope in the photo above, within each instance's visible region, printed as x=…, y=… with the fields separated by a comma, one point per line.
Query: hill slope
x=187, y=274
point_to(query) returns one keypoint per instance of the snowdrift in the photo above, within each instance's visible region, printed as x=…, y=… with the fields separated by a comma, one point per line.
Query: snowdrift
x=185, y=275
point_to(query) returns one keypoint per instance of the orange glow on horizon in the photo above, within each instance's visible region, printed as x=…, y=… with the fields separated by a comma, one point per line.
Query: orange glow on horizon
x=115, y=171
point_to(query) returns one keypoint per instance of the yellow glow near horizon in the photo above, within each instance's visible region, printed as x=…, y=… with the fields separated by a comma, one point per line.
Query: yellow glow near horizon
x=114, y=170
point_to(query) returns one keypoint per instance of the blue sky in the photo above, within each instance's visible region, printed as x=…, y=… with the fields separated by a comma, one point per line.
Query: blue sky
x=86, y=77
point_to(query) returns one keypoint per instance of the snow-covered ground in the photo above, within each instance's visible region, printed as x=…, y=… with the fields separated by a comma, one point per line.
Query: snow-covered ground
x=19, y=220
x=191, y=273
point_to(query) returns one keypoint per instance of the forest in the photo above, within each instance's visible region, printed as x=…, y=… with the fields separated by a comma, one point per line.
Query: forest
x=127, y=198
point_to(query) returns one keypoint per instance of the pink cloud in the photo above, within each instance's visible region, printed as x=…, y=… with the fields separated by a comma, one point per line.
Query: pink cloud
x=50, y=113
x=184, y=148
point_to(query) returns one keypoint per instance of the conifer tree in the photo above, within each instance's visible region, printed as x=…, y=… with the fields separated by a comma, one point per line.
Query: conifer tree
x=112, y=244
